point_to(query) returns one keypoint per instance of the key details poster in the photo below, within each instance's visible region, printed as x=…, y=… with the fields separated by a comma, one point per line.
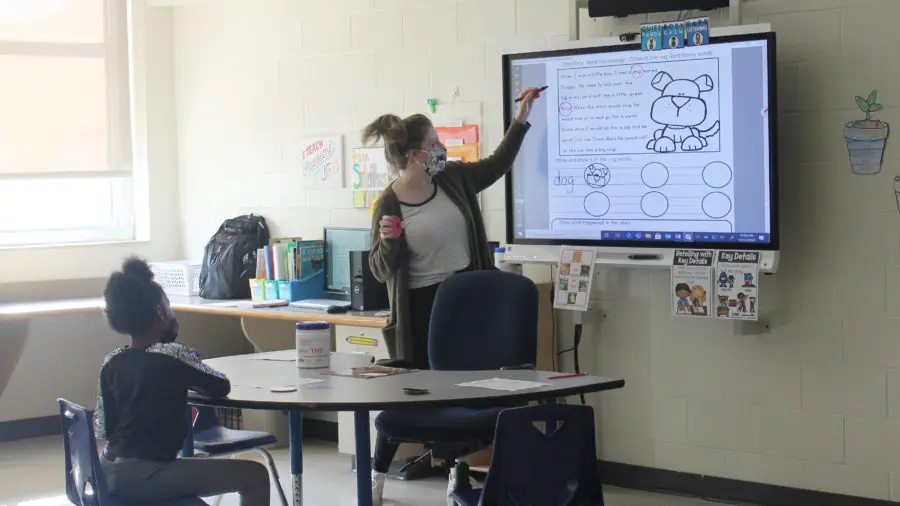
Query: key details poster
x=737, y=295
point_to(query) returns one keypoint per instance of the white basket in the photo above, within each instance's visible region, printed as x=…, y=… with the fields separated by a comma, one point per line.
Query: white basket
x=178, y=277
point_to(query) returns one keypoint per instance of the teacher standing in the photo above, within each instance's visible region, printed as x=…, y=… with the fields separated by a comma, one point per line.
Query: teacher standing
x=442, y=229
x=427, y=226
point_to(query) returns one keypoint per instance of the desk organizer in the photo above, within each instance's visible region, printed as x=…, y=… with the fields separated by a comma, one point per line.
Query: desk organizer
x=257, y=289
x=311, y=287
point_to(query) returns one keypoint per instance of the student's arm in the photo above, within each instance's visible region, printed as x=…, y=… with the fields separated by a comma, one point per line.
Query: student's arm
x=202, y=382
x=187, y=355
x=384, y=255
x=483, y=173
x=100, y=425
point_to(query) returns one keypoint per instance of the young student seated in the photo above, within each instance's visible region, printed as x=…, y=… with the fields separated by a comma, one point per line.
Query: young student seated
x=142, y=403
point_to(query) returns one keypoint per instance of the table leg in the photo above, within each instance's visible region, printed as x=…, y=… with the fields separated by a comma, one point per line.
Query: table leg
x=363, y=458
x=295, y=426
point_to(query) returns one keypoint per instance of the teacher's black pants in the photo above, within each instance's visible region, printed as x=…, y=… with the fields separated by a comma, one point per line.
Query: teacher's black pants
x=421, y=302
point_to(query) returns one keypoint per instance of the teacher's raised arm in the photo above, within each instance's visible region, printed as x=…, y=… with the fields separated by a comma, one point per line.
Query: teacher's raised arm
x=483, y=173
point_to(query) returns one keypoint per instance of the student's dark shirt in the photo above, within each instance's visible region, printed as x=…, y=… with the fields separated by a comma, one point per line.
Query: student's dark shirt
x=145, y=403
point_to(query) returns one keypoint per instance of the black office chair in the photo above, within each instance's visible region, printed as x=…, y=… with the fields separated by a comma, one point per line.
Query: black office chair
x=483, y=320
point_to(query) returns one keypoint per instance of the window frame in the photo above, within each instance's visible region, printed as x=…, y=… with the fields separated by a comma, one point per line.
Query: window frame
x=115, y=49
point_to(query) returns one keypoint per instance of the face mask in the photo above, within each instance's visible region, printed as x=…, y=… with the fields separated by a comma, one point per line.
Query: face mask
x=171, y=333
x=437, y=162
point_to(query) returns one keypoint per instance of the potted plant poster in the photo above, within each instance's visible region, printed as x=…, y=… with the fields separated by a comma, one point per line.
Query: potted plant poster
x=866, y=138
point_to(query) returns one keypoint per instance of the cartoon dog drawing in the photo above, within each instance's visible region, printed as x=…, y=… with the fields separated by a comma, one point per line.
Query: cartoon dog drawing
x=680, y=110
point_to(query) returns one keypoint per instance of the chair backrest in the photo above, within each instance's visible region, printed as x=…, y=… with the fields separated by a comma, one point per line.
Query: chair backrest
x=85, y=484
x=483, y=320
x=544, y=455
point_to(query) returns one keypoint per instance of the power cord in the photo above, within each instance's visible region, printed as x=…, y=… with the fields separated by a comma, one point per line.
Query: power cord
x=576, y=344
x=555, y=339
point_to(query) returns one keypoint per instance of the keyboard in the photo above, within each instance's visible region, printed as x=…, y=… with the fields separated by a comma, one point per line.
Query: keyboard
x=320, y=304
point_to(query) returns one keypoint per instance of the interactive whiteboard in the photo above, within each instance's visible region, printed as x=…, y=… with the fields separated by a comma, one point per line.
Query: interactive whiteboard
x=647, y=148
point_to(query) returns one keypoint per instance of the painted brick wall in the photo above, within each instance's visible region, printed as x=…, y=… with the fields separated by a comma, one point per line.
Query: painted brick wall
x=812, y=403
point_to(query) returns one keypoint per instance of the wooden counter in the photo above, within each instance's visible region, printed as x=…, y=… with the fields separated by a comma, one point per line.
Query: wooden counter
x=193, y=305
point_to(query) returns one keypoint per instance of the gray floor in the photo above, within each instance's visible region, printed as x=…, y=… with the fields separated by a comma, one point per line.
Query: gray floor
x=31, y=474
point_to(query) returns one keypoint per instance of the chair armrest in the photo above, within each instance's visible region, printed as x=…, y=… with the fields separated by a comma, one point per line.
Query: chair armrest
x=389, y=362
x=520, y=367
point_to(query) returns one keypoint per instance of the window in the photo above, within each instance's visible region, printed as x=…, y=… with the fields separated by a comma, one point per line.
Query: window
x=65, y=122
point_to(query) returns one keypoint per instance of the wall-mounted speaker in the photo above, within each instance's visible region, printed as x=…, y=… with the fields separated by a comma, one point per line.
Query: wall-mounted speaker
x=622, y=8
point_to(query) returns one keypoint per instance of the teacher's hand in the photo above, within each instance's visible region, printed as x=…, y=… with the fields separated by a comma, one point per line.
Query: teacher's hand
x=526, y=99
x=390, y=227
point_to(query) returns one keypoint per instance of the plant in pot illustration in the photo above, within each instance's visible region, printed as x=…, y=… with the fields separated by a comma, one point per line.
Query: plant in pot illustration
x=866, y=138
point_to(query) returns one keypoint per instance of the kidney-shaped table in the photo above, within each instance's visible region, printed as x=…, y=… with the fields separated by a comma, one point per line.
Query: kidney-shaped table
x=253, y=380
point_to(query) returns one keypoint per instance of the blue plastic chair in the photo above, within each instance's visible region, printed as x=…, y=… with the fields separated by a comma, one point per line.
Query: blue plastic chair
x=85, y=483
x=214, y=440
x=482, y=320
x=543, y=456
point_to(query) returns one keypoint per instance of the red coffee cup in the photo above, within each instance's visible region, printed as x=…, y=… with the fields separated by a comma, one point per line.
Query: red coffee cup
x=396, y=226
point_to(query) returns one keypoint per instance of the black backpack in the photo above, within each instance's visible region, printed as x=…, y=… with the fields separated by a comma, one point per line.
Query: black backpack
x=229, y=260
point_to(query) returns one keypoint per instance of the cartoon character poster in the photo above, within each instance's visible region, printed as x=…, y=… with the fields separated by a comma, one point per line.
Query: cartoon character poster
x=737, y=294
x=692, y=282
x=574, y=273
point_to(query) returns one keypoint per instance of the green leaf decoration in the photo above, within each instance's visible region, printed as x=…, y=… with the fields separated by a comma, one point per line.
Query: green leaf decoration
x=872, y=97
x=875, y=107
x=862, y=104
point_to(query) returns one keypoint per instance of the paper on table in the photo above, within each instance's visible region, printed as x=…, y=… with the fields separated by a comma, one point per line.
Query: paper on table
x=277, y=356
x=506, y=385
x=297, y=382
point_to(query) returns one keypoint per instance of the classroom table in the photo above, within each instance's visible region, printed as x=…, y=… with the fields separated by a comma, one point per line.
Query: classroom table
x=253, y=379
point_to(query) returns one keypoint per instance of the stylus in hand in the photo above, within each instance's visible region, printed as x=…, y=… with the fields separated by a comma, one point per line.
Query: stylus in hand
x=542, y=88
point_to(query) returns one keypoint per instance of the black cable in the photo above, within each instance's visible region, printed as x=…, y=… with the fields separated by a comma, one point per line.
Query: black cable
x=577, y=344
x=555, y=343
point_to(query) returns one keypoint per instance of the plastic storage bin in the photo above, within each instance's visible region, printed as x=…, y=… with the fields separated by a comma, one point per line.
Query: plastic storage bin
x=180, y=277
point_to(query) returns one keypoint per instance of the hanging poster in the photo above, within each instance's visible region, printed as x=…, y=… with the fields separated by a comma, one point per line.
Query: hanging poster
x=691, y=282
x=321, y=161
x=737, y=295
x=867, y=138
x=457, y=135
x=573, y=278
x=371, y=174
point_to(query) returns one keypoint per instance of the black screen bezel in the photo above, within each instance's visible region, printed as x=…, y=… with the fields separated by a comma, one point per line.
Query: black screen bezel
x=774, y=238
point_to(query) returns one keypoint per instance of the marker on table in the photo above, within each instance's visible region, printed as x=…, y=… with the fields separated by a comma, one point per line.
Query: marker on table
x=542, y=88
x=564, y=376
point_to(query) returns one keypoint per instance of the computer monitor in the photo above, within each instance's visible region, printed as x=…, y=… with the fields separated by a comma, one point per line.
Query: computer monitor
x=339, y=242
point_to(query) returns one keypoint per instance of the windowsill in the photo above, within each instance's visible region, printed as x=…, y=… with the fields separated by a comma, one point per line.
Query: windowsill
x=74, y=245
